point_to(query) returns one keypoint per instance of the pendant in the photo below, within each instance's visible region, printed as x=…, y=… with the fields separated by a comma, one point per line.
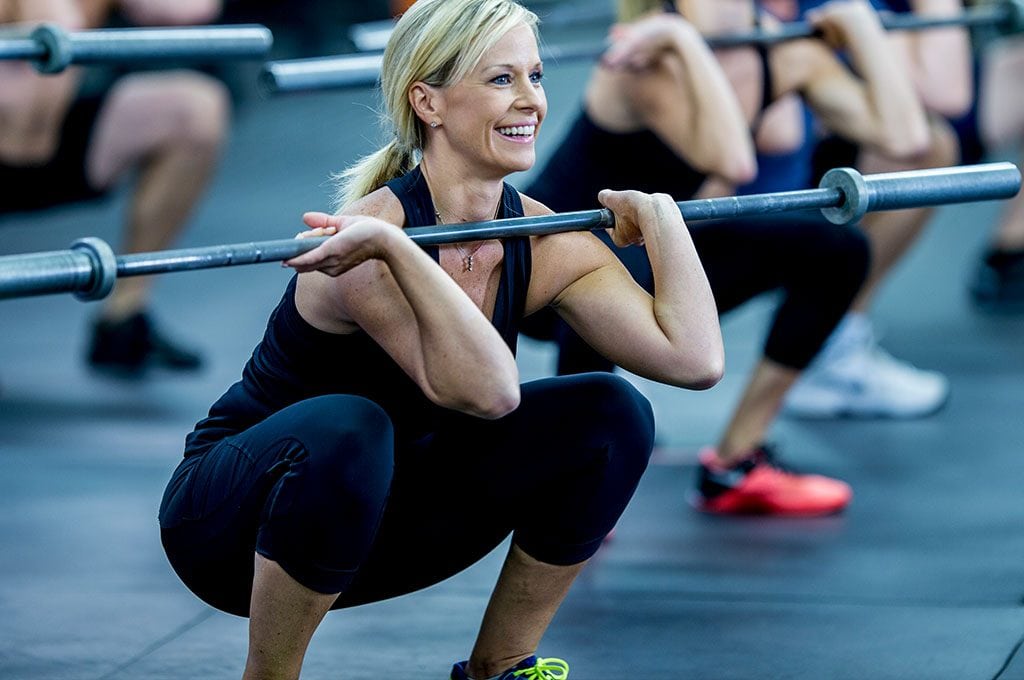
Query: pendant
x=467, y=263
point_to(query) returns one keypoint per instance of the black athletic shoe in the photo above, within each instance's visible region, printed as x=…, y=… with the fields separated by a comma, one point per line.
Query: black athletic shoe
x=128, y=347
x=999, y=282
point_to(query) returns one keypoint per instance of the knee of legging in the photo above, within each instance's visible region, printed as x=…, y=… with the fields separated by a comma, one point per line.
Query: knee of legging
x=841, y=258
x=347, y=449
x=615, y=412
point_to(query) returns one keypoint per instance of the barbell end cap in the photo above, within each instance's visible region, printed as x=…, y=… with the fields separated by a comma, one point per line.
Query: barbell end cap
x=856, y=197
x=57, y=43
x=1014, y=22
x=104, y=267
x=266, y=82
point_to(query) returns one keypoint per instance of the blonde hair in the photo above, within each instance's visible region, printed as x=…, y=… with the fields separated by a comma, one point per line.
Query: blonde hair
x=437, y=42
x=634, y=9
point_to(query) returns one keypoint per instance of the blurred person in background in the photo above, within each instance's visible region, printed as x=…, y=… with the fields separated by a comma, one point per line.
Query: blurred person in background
x=59, y=145
x=664, y=113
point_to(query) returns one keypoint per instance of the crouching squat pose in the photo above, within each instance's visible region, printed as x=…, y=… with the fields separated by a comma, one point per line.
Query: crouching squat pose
x=379, y=440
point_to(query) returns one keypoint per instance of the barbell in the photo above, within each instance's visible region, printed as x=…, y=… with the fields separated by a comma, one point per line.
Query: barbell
x=90, y=268
x=363, y=70
x=52, y=49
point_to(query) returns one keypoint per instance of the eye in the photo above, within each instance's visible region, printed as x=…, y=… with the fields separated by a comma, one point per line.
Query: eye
x=536, y=77
x=503, y=79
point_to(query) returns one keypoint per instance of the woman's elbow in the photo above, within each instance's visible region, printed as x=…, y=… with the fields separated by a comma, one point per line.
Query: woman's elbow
x=498, y=404
x=710, y=373
x=700, y=372
x=740, y=169
x=494, y=399
x=909, y=143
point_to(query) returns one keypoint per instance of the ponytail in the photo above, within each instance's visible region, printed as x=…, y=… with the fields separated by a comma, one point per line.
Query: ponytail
x=371, y=173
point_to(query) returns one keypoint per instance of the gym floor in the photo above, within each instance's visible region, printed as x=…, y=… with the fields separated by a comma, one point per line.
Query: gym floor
x=922, y=578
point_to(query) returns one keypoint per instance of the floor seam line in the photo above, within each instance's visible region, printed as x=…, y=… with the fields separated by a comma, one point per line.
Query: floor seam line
x=154, y=646
x=1009, y=659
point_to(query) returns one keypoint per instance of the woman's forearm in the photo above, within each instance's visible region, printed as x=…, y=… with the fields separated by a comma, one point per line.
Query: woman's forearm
x=684, y=306
x=467, y=365
x=899, y=122
x=723, y=134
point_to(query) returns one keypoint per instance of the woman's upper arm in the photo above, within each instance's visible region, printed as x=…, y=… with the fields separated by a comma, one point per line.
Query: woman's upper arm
x=366, y=297
x=572, y=266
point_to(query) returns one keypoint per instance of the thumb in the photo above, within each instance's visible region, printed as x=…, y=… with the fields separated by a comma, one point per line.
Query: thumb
x=321, y=220
x=612, y=200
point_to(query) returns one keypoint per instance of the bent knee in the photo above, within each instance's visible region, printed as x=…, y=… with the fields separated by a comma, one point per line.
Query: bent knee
x=617, y=408
x=341, y=420
x=187, y=107
x=841, y=254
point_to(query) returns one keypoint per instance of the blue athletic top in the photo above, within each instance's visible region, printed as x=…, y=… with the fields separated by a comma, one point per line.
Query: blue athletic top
x=899, y=6
x=296, y=361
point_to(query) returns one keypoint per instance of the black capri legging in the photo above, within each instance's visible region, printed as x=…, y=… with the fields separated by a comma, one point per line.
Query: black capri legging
x=321, y=488
x=819, y=266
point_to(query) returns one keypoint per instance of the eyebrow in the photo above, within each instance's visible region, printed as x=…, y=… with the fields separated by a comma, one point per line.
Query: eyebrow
x=510, y=66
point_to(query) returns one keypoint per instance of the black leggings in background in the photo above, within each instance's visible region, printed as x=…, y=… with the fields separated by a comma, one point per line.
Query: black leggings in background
x=320, y=488
x=819, y=267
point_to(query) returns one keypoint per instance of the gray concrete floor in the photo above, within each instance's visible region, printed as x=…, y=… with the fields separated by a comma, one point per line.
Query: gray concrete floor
x=922, y=578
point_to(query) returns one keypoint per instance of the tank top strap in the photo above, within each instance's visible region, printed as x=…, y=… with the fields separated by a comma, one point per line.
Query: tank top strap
x=510, y=307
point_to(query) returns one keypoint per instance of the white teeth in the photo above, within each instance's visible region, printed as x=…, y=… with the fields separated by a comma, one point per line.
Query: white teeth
x=518, y=130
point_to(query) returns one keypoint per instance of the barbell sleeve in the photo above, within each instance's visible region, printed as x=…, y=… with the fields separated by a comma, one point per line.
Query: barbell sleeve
x=52, y=49
x=89, y=269
x=363, y=70
x=918, y=189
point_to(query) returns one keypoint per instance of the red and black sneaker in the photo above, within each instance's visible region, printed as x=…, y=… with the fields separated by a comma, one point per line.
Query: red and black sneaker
x=759, y=485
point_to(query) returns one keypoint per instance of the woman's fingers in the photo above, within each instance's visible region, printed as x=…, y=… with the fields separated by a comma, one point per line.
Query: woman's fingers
x=317, y=231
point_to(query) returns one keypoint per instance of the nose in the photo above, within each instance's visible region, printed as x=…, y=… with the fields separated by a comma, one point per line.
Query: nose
x=530, y=97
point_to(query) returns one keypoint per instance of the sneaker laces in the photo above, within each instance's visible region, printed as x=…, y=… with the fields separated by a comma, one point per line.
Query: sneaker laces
x=545, y=669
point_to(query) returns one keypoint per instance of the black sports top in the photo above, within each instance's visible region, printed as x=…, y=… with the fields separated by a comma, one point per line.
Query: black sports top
x=591, y=158
x=296, y=361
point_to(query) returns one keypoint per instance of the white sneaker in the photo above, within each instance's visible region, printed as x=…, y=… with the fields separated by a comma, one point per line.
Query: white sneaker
x=854, y=377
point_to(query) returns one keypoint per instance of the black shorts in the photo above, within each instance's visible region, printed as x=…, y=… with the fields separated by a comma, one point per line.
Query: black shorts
x=63, y=178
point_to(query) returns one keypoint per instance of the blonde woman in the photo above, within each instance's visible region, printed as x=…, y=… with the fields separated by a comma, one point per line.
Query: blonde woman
x=379, y=440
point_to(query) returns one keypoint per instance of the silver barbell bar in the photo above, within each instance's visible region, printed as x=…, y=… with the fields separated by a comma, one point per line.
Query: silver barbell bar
x=90, y=268
x=363, y=70
x=52, y=49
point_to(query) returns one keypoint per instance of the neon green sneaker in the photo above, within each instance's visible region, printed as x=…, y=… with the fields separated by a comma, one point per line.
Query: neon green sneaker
x=530, y=668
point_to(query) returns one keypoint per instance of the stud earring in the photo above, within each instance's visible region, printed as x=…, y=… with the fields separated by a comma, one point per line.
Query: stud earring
x=434, y=124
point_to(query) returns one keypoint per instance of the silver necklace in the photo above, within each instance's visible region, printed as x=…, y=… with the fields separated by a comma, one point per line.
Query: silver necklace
x=467, y=258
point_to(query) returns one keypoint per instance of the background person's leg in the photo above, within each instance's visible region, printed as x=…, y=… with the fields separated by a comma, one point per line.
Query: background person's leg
x=168, y=129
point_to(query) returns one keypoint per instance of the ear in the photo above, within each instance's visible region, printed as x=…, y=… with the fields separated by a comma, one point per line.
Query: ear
x=427, y=101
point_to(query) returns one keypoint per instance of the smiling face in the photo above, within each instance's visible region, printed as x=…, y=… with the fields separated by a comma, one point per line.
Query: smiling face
x=492, y=116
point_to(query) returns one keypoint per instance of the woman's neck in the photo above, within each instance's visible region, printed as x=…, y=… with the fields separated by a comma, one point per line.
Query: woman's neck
x=459, y=194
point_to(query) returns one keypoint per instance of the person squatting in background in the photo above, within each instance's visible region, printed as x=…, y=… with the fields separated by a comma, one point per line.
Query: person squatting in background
x=61, y=145
x=663, y=113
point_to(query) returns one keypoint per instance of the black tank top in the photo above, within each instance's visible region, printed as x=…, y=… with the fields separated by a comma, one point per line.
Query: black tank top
x=591, y=158
x=296, y=361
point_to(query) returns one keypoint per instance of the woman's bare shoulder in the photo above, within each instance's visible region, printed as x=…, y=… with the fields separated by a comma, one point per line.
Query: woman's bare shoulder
x=534, y=208
x=382, y=204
